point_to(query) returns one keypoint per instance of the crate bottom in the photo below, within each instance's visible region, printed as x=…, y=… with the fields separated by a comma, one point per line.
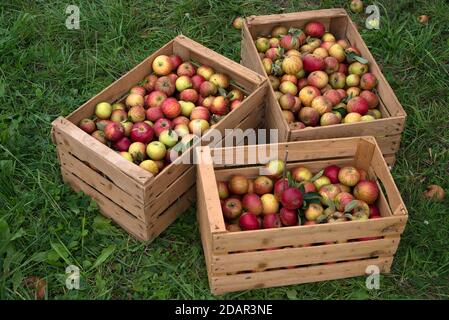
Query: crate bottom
x=276, y=278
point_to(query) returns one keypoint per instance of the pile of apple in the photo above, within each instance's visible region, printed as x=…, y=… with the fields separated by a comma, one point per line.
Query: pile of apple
x=318, y=80
x=297, y=197
x=160, y=117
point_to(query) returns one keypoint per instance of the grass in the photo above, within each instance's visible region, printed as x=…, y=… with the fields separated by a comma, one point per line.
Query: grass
x=47, y=71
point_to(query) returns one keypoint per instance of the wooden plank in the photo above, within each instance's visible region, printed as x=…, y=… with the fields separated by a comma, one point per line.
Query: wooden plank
x=364, y=154
x=238, y=73
x=123, y=173
x=170, y=194
x=108, y=208
x=171, y=214
x=100, y=183
x=384, y=89
x=275, y=278
x=300, y=235
x=389, y=144
x=292, y=257
x=119, y=87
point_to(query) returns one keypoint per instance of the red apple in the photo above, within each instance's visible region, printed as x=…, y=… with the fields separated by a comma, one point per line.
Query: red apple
x=162, y=65
x=205, y=71
x=357, y=104
x=134, y=100
x=368, y=81
x=99, y=135
x=288, y=217
x=150, y=82
x=141, y=132
x=88, y=125
x=263, y=185
x=318, y=79
x=186, y=69
x=232, y=208
x=366, y=191
x=220, y=80
x=219, y=106
x=136, y=114
x=189, y=95
x=309, y=116
x=165, y=85
x=349, y=176
x=292, y=198
x=313, y=62
x=332, y=173
x=101, y=124
x=315, y=29
x=238, y=185
x=121, y=144
x=271, y=220
x=342, y=199
x=279, y=187
x=173, y=77
x=374, y=211
x=175, y=61
x=301, y=174
x=370, y=97
x=154, y=113
x=309, y=187
x=235, y=104
x=252, y=203
x=200, y=113
x=180, y=120
x=249, y=221
x=155, y=99
x=171, y=108
x=138, y=90
x=114, y=131
x=207, y=88
x=161, y=125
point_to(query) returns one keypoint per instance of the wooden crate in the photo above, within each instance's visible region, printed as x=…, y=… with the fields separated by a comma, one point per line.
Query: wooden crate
x=240, y=260
x=142, y=204
x=386, y=130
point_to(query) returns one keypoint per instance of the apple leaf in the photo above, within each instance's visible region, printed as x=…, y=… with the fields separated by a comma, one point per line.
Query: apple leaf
x=321, y=219
x=349, y=216
x=351, y=205
x=330, y=204
x=312, y=196
x=354, y=56
x=295, y=32
x=341, y=111
x=277, y=68
x=317, y=176
x=222, y=92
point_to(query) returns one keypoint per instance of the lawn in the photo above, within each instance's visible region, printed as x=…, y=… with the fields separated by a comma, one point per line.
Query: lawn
x=47, y=70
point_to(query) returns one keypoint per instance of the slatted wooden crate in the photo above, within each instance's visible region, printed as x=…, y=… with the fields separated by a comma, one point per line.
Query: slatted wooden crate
x=386, y=130
x=292, y=255
x=142, y=204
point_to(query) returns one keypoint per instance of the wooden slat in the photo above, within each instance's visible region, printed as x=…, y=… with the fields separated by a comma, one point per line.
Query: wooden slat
x=108, y=208
x=364, y=154
x=389, y=144
x=120, y=87
x=300, y=235
x=223, y=284
x=123, y=173
x=291, y=257
x=100, y=183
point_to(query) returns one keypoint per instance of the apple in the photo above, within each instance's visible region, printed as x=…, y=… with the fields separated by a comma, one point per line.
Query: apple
x=333, y=96
x=375, y=113
x=165, y=85
x=363, y=175
x=118, y=106
x=343, y=68
x=101, y=124
x=367, y=118
x=331, y=65
x=314, y=42
x=327, y=44
x=301, y=174
x=337, y=52
x=307, y=94
x=186, y=69
x=328, y=37
x=138, y=90
x=232, y=208
x=349, y=176
x=370, y=97
x=322, y=104
x=205, y=71
x=288, y=217
x=252, y=203
x=352, y=117
x=320, y=52
x=197, y=80
x=122, y=144
x=313, y=211
x=236, y=94
x=297, y=105
x=353, y=92
x=175, y=61
x=119, y=115
x=321, y=182
x=309, y=116
x=162, y=65
x=169, y=137
x=208, y=88
x=189, y=95
x=307, y=48
x=114, y=131
x=269, y=204
x=103, y=110
x=141, y=132
x=171, y=108
x=352, y=80
x=337, y=80
x=292, y=198
x=291, y=65
x=238, y=185
x=223, y=191
x=87, y=125
x=263, y=185
x=262, y=44
x=279, y=187
x=183, y=82
x=313, y=62
x=161, y=125
x=154, y=113
x=219, y=106
x=288, y=87
x=235, y=104
x=200, y=113
x=332, y=173
x=267, y=65
x=271, y=220
x=274, y=42
x=172, y=77
x=328, y=193
x=155, y=99
x=368, y=81
x=126, y=155
x=150, y=166
x=136, y=114
x=366, y=191
x=342, y=200
x=198, y=126
x=156, y=150
x=357, y=104
x=318, y=79
x=329, y=119
x=274, y=168
x=289, y=77
x=149, y=82
x=315, y=29
x=273, y=54
x=309, y=187
x=358, y=68
x=99, y=135
x=423, y=19
x=288, y=42
x=220, y=80
x=356, y=6
x=137, y=150
x=279, y=31
x=249, y=221
x=342, y=93
x=374, y=211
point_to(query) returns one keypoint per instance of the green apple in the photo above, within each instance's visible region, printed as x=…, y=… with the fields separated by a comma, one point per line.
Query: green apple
x=168, y=137
x=103, y=110
x=156, y=150
x=186, y=108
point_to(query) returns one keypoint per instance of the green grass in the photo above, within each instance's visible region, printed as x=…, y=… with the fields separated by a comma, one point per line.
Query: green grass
x=47, y=71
